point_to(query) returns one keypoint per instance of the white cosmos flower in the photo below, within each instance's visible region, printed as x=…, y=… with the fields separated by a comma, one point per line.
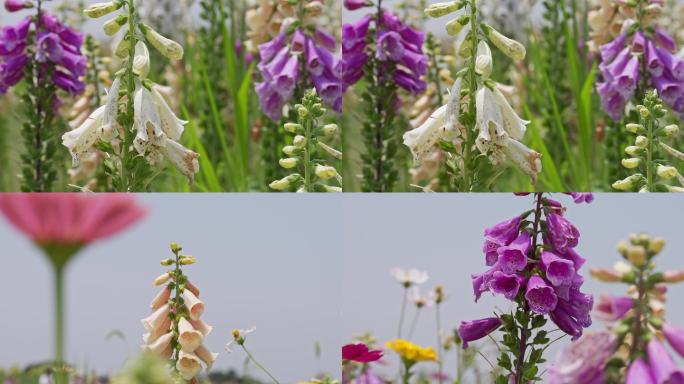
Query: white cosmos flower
x=81, y=140
x=409, y=277
x=147, y=120
x=417, y=299
x=239, y=336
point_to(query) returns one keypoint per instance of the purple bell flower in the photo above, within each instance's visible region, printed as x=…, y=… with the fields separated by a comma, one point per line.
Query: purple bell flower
x=507, y=285
x=562, y=234
x=477, y=329
x=674, y=337
x=639, y=373
x=540, y=296
x=513, y=257
x=662, y=365
x=49, y=48
x=560, y=272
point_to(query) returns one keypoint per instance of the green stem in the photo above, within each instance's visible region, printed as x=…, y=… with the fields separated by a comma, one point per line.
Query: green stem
x=402, y=313
x=470, y=133
x=439, y=343
x=639, y=318
x=60, y=369
x=414, y=323
x=307, y=155
x=130, y=114
x=249, y=355
x=406, y=376
x=649, y=156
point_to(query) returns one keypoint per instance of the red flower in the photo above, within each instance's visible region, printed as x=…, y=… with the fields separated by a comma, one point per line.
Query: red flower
x=360, y=353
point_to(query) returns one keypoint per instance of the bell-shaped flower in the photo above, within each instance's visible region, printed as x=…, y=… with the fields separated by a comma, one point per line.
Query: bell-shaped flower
x=422, y=140
x=483, y=61
x=662, y=365
x=161, y=298
x=188, y=337
x=156, y=319
x=489, y=120
x=674, y=337
x=207, y=356
x=101, y=9
x=165, y=46
x=194, y=305
x=514, y=126
x=141, y=60
x=201, y=326
x=561, y=233
x=147, y=120
x=80, y=141
x=110, y=126
x=161, y=345
x=506, y=284
x=639, y=373
x=559, y=271
x=527, y=159
x=613, y=308
x=188, y=365
x=171, y=125
x=513, y=257
x=540, y=296
x=184, y=159
x=477, y=329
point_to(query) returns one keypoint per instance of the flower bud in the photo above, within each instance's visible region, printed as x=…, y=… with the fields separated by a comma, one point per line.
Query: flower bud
x=671, y=130
x=641, y=141
x=330, y=150
x=302, y=111
x=635, y=128
x=290, y=150
x=114, y=25
x=643, y=111
x=509, y=47
x=187, y=260
x=285, y=182
x=656, y=245
x=313, y=8
x=329, y=188
x=606, y=275
x=162, y=279
x=141, y=60
x=666, y=172
x=165, y=46
x=175, y=247
x=299, y=141
x=330, y=129
x=455, y=26
x=325, y=172
x=622, y=248
x=289, y=162
x=633, y=150
x=628, y=183
x=166, y=262
x=100, y=9
x=483, y=62
x=443, y=9
x=631, y=162
x=122, y=48
x=293, y=127
x=653, y=10
x=637, y=255
x=674, y=276
x=17, y=5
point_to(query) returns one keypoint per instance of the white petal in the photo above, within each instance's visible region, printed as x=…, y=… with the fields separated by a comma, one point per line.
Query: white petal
x=171, y=125
x=189, y=338
x=483, y=62
x=513, y=124
x=453, y=106
x=188, y=365
x=421, y=140
x=81, y=140
x=489, y=120
x=109, y=123
x=141, y=60
x=528, y=160
x=147, y=121
x=182, y=158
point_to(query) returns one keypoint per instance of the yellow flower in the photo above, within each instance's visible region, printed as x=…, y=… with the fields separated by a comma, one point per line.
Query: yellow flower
x=411, y=352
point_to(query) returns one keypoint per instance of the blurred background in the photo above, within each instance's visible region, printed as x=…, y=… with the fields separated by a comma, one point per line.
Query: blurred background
x=443, y=235
x=262, y=261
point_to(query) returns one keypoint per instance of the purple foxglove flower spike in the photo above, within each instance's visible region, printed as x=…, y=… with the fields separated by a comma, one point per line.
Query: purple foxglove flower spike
x=613, y=308
x=513, y=257
x=507, y=285
x=639, y=373
x=540, y=296
x=477, y=329
x=662, y=365
x=561, y=232
x=675, y=337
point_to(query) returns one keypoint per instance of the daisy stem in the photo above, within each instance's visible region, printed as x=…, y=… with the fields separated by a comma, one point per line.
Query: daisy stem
x=249, y=355
x=414, y=323
x=402, y=313
x=60, y=369
x=439, y=342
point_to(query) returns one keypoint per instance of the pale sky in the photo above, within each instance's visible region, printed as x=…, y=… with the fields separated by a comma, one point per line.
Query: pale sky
x=270, y=261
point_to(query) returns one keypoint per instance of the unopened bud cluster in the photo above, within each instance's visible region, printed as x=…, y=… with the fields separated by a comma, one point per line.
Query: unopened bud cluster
x=305, y=156
x=645, y=156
